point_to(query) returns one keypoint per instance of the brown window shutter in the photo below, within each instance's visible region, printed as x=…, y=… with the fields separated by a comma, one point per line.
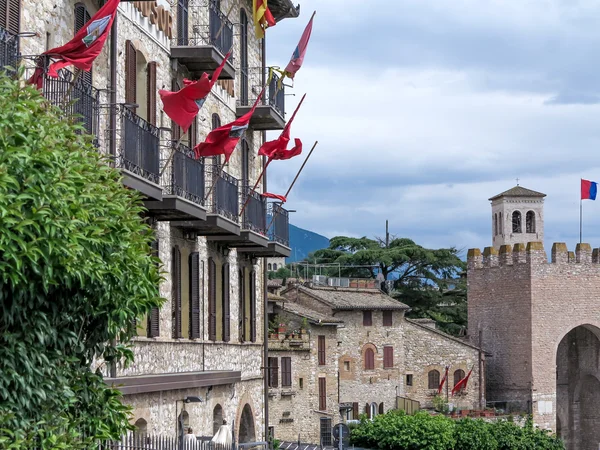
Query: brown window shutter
x=388, y=357
x=274, y=371
x=369, y=359
x=355, y=410
x=322, y=394
x=212, y=300
x=387, y=318
x=10, y=15
x=321, y=350
x=130, y=74
x=368, y=410
x=176, y=292
x=242, y=304
x=367, y=318
x=193, y=134
x=153, y=327
x=175, y=129
x=286, y=371
x=151, y=94
x=253, y=306
x=226, y=304
x=194, y=274
x=381, y=409
x=82, y=16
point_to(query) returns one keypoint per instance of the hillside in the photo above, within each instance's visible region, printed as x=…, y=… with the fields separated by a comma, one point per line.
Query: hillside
x=303, y=242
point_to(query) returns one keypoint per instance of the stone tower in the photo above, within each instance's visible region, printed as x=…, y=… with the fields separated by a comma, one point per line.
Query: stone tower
x=517, y=217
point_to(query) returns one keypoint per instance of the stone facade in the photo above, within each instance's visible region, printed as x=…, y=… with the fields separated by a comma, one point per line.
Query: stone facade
x=540, y=321
x=274, y=264
x=53, y=23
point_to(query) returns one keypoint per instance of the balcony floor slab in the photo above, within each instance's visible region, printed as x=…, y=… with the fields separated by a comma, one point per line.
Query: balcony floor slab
x=265, y=117
x=149, y=189
x=202, y=58
x=175, y=208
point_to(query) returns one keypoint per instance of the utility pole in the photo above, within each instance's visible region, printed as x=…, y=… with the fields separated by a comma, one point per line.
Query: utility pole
x=387, y=235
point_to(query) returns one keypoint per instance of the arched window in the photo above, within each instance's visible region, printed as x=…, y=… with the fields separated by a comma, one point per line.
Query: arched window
x=217, y=418
x=369, y=359
x=381, y=409
x=433, y=379
x=182, y=22
x=530, y=222
x=243, y=58
x=275, y=266
x=516, y=222
x=270, y=267
x=373, y=410
x=458, y=375
x=496, y=224
x=141, y=427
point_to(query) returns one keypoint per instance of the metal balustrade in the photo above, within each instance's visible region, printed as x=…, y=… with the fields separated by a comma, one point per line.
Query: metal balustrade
x=274, y=95
x=9, y=49
x=279, y=230
x=224, y=198
x=255, y=217
x=186, y=175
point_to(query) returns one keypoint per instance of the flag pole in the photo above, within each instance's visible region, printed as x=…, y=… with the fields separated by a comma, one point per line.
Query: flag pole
x=223, y=23
x=173, y=150
x=580, y=220
x=293, y=182
x=215, y=179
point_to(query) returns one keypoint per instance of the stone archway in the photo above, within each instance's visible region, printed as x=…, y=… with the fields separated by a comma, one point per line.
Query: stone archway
x=217, y=418
x=247, y=432
x=578, y=388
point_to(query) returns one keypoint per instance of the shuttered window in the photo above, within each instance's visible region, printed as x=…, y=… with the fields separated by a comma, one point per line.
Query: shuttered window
x=321, y=350
x=226, y=304
x=182, y=22
x=381, y=408
x=388, y=357
x=151, y=93
x=369, y=359
x=176, y=292
x=194, y=273
x=153, y=327
x=82, y=16
x=253, y=306
x=216, y=123
x=175, y=129
x=273, y=372
x=433, y=379
x=367, y=318
x=286, y=371
x=322, y=394
x=212, y=300
x=130, y=75
x=10, y=15
x=387, y=318
x=193, y=133
x=355, y=410
x=458, y=375
x=242, y=306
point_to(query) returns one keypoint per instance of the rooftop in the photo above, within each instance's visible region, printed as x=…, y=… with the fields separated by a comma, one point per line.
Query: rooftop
x=518, y=191
x=310, y=314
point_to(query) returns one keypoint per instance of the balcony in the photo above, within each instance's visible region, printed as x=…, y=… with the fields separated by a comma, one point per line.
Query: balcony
x=139, y=154
x=76, y=97
x=183, y=188
x=205, y=50
x=270, y=112
x=278, y=234
x=9, y=49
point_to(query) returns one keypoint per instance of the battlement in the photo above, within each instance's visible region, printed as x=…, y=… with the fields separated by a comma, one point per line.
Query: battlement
x=533, y=253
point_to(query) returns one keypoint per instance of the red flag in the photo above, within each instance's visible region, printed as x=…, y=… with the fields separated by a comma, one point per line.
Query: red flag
x=298, y=55
x=462, y=384
x=275, y=196
x=86, y=45
x=443, y=380
x=222, y=140
x=277, y=149
x=183, y=105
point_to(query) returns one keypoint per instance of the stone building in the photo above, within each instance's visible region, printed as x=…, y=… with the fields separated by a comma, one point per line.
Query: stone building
x=274, y=264
x=207, y=342
x=540, y=320
x=372, y=358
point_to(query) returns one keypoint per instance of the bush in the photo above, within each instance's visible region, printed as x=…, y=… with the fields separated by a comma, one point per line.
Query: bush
x=475, y=435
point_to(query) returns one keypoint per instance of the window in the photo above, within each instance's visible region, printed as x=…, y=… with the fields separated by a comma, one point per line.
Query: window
x=369, y=359
x=387, y=318
x=253, y=306
x=194, y=283
x=153, y=326
x=212, y=300
x=10, y=15
x=269, y=266
x=225, y=304
x=433, y=379
x=347, y=366
x=388, y=357
x=242, y=316
x=325, y=432
x=530, y=222
x=82, y=16
x=216, y=123
x=458, y=375
x=355, y=414
x=516, y=222
x=286, y=371
x=381, y=408
x=273, y=378
x=176, y=292
x=496, y=224
x=245, y=163
x=217, y=418
x=409, y=379
x=322, y=394
x=372, y=410
x=182, y=22
x=243, y=58
x=301, y=383
x=275, y=266
x=141, y=427
x=321, y=351
x=367, y=318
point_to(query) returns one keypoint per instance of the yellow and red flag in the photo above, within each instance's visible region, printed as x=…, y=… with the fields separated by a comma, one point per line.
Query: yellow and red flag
x=262, y=16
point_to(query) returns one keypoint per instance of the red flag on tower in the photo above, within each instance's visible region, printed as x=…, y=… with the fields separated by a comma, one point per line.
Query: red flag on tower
x=300, y=50
x=277, y=149
x=86, y=45
x=222, y=140
x=183, y=105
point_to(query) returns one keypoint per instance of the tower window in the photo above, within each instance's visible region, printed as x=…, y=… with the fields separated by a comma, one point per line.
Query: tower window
x=516, y=222
x=496, y=224
x=530, y=222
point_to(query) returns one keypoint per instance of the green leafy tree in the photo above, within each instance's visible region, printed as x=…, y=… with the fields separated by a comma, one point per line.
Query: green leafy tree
x=282, y=273
x=430, y=281
x=75, y=274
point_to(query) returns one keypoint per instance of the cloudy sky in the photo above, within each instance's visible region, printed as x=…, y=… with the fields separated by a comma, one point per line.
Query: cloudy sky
x=424, y=109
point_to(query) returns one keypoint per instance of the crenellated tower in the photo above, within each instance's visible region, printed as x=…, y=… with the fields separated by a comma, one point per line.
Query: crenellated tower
x=517, y=217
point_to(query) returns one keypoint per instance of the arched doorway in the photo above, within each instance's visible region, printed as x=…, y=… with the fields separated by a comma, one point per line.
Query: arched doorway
x=217, y=418
x=141, y=427
x=247, y=432
x=578, y=388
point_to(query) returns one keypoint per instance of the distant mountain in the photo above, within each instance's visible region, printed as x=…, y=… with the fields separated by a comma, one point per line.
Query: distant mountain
x=303, y=242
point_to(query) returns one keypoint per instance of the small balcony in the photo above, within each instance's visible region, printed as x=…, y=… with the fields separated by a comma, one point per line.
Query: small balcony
x=278, y=234
x=76, y=97
x=205, y=49
x=9, y=49
x=183, y=188
x=270, y=112
x=139, y=154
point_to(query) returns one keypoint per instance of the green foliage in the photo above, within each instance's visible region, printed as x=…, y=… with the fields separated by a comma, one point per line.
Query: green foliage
x=75, y=272
x=283, y=273
x=396, y=430
x=440, y=404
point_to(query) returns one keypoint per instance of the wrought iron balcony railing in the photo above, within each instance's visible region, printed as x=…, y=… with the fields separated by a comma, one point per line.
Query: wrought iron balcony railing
x=251, y=84
x=224, y=197
x=9, y=49
x=185, y=175
x=139, y=152
x=255, y=217
x=76, y=97
x=279, y=230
